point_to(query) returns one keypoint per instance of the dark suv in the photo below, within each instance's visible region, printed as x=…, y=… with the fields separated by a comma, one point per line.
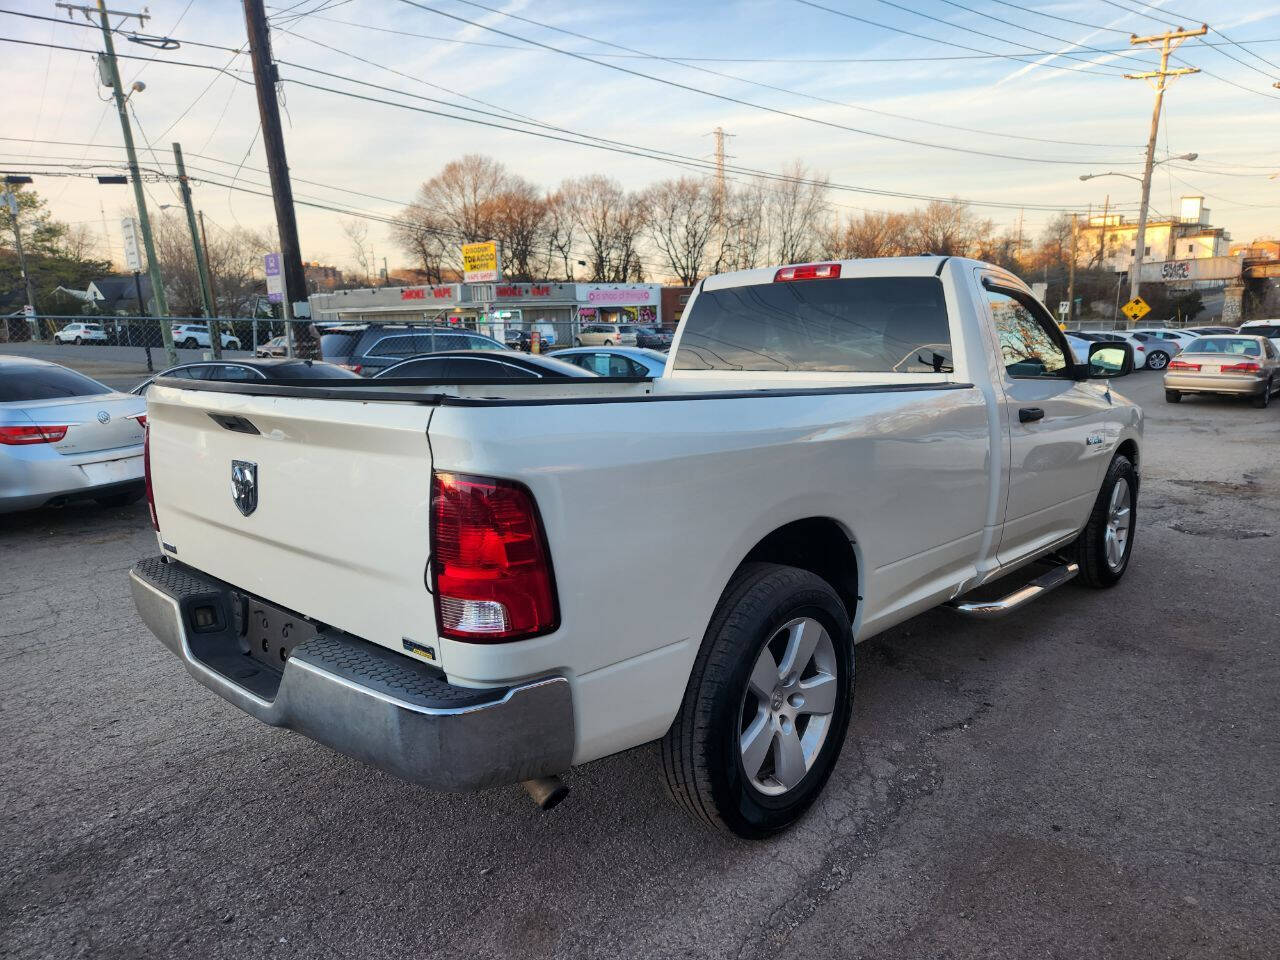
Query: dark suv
x=368, y=348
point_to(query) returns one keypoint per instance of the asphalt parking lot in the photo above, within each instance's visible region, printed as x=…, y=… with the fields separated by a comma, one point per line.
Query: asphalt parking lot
x=1094, y=778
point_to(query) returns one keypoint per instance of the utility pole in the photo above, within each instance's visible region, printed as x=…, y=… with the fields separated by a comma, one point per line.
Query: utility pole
x=1071, y=273
x=11, y=198
x=204, y=243
x=1102, y=234
x=202, y=268
x=144, y=221
x=265, y=77
x=1169, y=41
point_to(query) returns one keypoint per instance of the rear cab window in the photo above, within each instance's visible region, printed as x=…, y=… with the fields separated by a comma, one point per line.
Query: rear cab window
x=863, y=325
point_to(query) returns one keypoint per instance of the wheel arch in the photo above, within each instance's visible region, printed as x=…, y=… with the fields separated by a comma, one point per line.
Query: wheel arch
x=821, y=545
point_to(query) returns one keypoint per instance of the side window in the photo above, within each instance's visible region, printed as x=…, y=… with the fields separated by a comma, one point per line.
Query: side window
x=479, y=343
x=393, y=347
x=182, y=373
x=481, y=369
x=238, y=373
x=1029, y=350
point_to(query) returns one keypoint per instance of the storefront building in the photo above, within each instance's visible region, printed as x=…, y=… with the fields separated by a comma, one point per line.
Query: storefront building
x=556, y=310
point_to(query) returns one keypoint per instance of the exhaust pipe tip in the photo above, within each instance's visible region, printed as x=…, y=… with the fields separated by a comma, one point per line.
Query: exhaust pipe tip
x=546, y=792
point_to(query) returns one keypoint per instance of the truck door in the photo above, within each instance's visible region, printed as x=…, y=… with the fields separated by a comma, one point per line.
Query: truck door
x=1057, y=441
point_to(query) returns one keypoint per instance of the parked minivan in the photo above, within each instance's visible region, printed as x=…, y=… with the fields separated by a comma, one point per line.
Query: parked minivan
x=606, y=335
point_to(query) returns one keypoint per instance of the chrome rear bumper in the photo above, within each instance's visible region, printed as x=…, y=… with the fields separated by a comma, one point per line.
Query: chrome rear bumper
x=370, y=703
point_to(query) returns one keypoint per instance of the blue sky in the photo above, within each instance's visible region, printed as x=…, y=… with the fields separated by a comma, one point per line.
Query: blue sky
x=1085, y=119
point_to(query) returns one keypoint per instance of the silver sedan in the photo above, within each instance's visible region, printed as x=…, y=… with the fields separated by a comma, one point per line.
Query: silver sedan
x=66, y=437
x=1248, y=366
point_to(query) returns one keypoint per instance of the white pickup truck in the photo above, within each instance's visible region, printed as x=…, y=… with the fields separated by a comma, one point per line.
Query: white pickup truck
x=469, y=583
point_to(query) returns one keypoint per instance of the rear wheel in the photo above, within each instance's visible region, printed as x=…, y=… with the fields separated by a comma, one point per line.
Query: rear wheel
x=767, y=706
x=233, y=344
x=1158, y=360
x=608, y=343
x=1104, y=546
x=189, y=343
x=1263, y=400
x=1172, y=396
x=577, y=342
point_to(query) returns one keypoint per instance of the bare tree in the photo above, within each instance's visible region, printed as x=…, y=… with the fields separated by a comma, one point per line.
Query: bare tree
x=610, y=222
x=944, y=228
x=683, y=223
x=559, y=234
x=422, y=233
x=872, y=234
x=796, y=209
x=235, y=267
x=517, y=215
x=357, y=233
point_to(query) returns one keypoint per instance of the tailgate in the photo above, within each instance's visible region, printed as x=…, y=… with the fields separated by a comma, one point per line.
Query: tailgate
x=339, y=530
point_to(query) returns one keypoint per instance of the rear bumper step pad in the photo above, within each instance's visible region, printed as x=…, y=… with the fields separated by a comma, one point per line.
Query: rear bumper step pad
x=358, y=698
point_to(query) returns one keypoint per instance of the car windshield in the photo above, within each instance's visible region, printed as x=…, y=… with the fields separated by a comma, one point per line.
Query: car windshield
x=1242, y=346
x=38, y=382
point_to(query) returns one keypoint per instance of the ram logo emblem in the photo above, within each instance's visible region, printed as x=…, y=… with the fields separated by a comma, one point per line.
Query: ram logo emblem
x=244, y=485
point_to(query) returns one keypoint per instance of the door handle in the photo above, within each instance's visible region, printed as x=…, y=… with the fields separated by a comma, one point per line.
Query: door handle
x=1028, y=414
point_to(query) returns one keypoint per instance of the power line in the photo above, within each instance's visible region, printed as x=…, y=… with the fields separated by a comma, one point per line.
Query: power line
x=725, y=97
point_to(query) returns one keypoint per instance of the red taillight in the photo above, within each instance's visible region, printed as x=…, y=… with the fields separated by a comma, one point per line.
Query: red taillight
x=809, y=271
x=21, y=436
x=1140, y=348
x=146, y=473
x=353, y=367
x=1245, y=367
x=491, y=569
x=142, y=420
x=1183, y=365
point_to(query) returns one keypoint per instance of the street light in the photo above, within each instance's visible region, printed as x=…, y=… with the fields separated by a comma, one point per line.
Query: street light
x=1115, y=173
x=1140, y=238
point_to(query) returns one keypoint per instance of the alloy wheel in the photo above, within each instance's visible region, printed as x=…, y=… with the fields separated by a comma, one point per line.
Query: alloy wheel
x=1115, y=539
x=788, y=706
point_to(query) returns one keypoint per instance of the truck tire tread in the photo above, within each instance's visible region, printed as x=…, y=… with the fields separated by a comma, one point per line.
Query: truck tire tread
x=750, y=596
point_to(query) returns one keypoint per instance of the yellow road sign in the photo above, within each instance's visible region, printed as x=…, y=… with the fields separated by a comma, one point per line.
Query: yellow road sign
x=1136, y=309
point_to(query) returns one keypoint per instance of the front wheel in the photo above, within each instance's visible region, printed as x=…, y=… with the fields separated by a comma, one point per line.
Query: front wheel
x=577, y=342
x=1172, y=396
x=79, y=341
x=1158, y=360
x=1104, y=546
x=233, y=345
x=189, y=343
x=767, y=705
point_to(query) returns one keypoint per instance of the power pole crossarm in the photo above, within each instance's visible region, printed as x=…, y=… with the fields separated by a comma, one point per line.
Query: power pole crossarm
x=265, y=77
x=1168, y=41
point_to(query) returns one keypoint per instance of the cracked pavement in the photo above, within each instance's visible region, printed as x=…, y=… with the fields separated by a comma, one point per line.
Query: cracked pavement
x=1094, y=777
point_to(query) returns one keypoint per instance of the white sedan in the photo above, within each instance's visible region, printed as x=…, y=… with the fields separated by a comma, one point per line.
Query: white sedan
x=79, y=333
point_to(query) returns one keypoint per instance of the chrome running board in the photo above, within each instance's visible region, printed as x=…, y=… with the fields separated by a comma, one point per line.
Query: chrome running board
x=991, y=609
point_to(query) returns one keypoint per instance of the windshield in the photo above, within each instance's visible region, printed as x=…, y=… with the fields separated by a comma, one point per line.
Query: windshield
x=1262, y=330
x=39, y=382
x=1237, y=345
x=865, y=324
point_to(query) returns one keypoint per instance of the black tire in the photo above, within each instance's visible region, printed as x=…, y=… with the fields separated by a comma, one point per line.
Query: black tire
x=1172, y=396
x=233, y=344
x=608, y=343
x=189, y=343
x=577, y=342
x=1263, y=400
x=79, y=341
x=1158, y=360
x=700, y=753
x=122, y=499
x=1090, y=547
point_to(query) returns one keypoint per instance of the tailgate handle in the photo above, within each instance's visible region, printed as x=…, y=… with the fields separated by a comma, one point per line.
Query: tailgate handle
x=234, y=424
x=1025, y=415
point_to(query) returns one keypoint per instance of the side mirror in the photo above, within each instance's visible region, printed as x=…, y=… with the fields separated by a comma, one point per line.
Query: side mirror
x=1109, y=359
